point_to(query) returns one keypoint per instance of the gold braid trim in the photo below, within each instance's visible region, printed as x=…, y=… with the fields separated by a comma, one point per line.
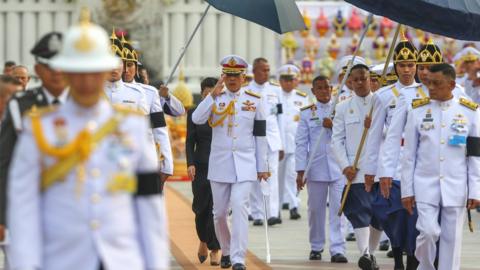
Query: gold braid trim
x=230, y=110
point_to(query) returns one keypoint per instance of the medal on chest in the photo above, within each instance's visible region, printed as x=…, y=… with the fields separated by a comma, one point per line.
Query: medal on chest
x=427, y=122
x=60, y=130
x=248, y=106
x=459, y=124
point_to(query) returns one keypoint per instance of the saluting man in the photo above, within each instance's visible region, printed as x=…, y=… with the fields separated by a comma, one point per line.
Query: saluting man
x=293, y=101
x=84, y=186
x=441, y=168
x=324, y=180
x=170, y=104
x=399, y=227
x=237, y=157
x=272, y=104
x=351, y=118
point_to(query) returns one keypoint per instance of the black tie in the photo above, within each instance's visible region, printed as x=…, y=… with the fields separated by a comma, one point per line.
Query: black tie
x=56, y=102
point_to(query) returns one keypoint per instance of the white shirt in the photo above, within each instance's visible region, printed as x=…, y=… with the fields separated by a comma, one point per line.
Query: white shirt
x=292, y=103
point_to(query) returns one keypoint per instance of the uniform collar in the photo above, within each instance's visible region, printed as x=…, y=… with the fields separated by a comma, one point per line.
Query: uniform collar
x=50, y=98
x=114, y=85
x=233, y=94
x=363, y=100
x=255, y=84
x=81, y=111
x=323, y=105
x=444, y=105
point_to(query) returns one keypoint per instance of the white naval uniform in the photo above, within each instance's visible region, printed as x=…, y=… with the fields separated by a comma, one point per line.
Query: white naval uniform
x=471, y=91
x=75, y=225
x=384, y=102
x=292, y=103
x=389, y=159
x=440, y=175
x=324, y=178
x=147, y=101
x=235, y=159
x=271, y=97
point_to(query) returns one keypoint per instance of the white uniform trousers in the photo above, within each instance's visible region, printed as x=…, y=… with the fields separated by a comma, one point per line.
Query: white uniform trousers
x=317, y=208
x=234, y=195
x=449, y=233
x=164, y=249
x=256, y=198
x=287, y=184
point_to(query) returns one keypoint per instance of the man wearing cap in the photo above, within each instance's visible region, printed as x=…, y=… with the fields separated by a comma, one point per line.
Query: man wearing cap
x=346, y=92
x=466, y=59
x=237, y=158
x=351, y=118
x=388, y=207
x=272, y=104
x=170, y=104
x=85, y=189
x=52, y=91
x=293, y=101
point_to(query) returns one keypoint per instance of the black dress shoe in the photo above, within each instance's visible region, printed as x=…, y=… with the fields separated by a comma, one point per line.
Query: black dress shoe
x=274, y=220
x=285, y=206
x=365, y=262
x=225, y=262
x=351, y=237
x=250, y=218
x=239, y=266
x=294, y=214
x=339, y=258
x=384, y=245
x=374, y=263
x=390, y=254
x=315, y=255
x=258, y=222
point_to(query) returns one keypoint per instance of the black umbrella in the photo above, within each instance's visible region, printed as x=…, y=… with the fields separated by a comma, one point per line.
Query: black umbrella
x=459, y=19
x=280, y=16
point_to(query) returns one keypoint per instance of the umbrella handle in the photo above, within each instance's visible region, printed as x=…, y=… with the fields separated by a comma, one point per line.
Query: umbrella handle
x=184, y=49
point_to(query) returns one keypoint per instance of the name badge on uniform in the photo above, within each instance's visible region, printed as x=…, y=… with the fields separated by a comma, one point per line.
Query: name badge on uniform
x=298, y=103
x=128, y=101
x=457, y=140
x=249, y=106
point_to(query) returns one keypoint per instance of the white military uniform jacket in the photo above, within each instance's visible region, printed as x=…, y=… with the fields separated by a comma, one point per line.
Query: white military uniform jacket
x=271, y=98
x=324, y=166
x=75, y=224
x=236, y=154
x=348, y=125
x=292, y=103
x=384, y=103
x=146, y=100
x=436, y=168
x=389, y=159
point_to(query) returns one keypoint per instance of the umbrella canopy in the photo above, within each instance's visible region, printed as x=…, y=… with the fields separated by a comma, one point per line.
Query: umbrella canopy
x=459, y=19
x=280, y=16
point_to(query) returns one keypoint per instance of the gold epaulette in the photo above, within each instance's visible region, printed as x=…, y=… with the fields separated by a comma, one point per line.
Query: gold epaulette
x=274, y=83
x=253, y=94
x=307, y=107
x=300, y=93
x=420, y=102
x=127, y=110
x=245, y=84
x=36, y=111
x=335, y=91
x=469, y=104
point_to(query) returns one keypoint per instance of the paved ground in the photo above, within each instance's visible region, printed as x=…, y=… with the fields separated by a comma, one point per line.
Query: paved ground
x=288, y=241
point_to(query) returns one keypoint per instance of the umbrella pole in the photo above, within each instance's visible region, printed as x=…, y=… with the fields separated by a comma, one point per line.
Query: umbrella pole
x=365, y=130
x=184, y=49
x=335, y=101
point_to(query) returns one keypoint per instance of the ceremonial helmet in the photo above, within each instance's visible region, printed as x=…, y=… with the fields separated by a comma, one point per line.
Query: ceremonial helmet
x=85, y=49
x=405, y=51
x=429, y=54
x=116, y=45
x=129, y=53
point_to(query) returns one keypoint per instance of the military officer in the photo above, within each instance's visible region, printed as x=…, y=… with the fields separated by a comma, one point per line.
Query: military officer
x=441, y=168
x=272, y=104
x=346, y=92
x=52, y=91
x=238, y=155
x=76, y=170
x=170, y=104
x=324, y=180
x=351, y=118
x=429, y=54
x=389, y=210
x=466, y=59
x=471, y=81
x=293, y=101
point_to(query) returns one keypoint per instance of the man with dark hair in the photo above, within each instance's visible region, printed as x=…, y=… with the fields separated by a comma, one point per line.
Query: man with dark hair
x=351, y=118
x=272, y=104
x=8, y=67
x=441, y=168
x=324, y=179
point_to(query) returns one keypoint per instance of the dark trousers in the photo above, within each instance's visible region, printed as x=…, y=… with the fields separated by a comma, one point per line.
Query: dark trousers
x=202, y=206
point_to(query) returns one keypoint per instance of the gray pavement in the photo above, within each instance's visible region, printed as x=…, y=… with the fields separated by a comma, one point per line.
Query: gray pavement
x=290, y=247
